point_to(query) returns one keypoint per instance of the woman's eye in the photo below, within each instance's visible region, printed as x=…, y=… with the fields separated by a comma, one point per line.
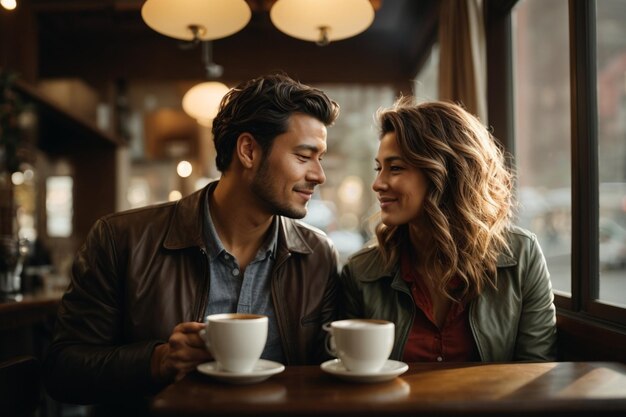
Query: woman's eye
x=377, y=169
x=395, y=168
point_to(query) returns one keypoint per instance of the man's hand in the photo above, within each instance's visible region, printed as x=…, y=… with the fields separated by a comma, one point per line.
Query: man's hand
x=184, y=350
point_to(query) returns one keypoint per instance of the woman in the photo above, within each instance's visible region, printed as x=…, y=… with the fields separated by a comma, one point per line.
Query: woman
x=460, y=282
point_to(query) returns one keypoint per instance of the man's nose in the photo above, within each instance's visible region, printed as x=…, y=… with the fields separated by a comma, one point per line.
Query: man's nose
x=316, y=174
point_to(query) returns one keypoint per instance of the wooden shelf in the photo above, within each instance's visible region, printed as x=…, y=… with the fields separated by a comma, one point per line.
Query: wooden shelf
x=59, y=130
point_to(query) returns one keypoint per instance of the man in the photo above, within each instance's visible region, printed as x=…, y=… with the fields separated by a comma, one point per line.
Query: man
x=145, y=279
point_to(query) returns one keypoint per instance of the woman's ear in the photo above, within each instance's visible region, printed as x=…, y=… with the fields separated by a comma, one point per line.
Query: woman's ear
x=247, y=150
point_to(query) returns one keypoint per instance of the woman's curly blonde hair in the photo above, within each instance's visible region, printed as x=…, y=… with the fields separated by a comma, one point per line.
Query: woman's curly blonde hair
x=468, y=205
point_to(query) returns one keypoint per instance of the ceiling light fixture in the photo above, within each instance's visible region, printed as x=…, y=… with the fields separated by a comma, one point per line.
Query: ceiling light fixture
x=202, y=101
x=9, y=4
x=322, y=21
x=194, y=20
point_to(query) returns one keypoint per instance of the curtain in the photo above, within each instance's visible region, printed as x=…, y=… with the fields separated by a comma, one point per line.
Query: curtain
x=462, y=59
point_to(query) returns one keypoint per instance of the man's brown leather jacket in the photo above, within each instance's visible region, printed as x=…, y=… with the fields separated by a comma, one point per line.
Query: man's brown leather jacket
x=143, y=271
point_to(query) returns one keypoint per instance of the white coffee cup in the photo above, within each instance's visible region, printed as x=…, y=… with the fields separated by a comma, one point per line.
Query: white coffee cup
x=363, y=345
x=235, y=340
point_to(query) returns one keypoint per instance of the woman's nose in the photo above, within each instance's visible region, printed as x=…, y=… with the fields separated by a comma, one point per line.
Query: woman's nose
x=379, y=184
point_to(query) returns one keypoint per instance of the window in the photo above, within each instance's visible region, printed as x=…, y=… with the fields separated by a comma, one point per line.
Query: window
x=564, y=119
x=59, y=206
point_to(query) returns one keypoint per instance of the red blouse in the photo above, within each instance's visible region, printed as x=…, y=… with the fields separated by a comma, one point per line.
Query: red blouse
x=427, y=342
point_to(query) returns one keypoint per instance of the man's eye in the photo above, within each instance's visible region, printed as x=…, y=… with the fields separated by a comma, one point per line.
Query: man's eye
x=303, y=158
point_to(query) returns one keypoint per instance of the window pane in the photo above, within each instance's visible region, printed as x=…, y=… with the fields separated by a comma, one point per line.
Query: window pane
x=59, y=206
x=611, y=72
x=542, y=130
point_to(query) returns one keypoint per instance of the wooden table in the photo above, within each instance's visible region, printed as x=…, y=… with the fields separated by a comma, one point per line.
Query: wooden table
x=29, y=308
x=426, y=389
x=26, y=323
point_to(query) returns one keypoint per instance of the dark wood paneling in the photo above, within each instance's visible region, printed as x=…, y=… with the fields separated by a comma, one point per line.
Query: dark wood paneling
x=585, y=264
x=500, y=73
x=102, y=40
x=583, y=339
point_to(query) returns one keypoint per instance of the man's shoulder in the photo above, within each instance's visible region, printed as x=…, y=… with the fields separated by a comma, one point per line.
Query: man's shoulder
x=306, y=229
x=123, y=233
x=139, y=217
x=303, y=237
x=185, y=207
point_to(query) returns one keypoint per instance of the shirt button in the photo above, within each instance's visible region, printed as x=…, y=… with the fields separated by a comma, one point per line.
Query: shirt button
x=235, y=272
x=439, y=359
x=226, y=256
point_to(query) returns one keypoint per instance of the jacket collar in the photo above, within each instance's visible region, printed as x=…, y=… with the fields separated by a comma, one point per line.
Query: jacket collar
x=290, y=236
x=186, y=227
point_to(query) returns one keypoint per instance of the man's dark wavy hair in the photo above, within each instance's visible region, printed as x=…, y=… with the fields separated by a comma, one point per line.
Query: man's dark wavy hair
x=262, y=107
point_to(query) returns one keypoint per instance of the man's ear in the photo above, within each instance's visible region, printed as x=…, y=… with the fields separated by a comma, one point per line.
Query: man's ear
x=247, y=150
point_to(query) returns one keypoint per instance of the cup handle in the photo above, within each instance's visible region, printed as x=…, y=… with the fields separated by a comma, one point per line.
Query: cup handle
x=329, y=344
x=204, y=335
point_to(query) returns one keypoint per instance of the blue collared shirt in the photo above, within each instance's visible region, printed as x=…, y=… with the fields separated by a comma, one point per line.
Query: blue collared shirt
x=230, y=291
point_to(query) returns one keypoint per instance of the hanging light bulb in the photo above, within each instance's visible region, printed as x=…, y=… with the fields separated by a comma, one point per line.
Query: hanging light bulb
x=194, y=20
x=322, y=21
x=202, y=101
x=9, y=4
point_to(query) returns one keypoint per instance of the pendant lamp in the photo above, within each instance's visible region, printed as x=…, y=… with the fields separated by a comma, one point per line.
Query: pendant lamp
x=202, y=101
x=322, y=21
x=194, y=20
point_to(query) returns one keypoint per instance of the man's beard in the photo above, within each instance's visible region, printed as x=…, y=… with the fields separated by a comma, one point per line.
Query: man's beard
x=262, y=188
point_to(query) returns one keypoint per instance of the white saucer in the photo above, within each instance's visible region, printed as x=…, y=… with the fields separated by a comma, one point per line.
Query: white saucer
x=390, y=370
x=262, y=370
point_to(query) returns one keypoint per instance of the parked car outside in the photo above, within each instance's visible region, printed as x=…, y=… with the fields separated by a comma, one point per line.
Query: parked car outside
x=612, y=244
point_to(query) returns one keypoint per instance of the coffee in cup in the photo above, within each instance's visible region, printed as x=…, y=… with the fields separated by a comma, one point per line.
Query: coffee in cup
x=235, y=340
x=363, y=345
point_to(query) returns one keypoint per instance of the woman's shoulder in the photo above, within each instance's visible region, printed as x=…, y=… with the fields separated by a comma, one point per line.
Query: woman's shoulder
x=365, y=255
x=520, y=233
x=520, y=242
x=520, y=238
x=367, y=264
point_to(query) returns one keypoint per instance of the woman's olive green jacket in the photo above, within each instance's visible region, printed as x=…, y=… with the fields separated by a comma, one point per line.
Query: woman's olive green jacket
x=514, y=322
